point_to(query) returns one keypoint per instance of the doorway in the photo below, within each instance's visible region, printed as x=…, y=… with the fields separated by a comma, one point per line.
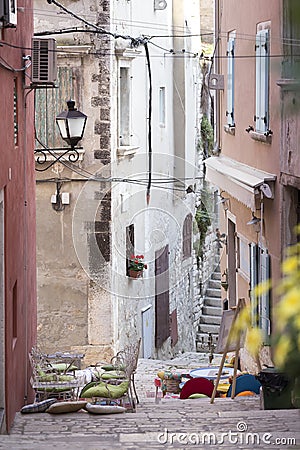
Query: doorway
x=147, y=331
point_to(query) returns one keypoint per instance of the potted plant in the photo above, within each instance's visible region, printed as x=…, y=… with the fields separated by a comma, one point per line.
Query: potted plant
x=136, y=266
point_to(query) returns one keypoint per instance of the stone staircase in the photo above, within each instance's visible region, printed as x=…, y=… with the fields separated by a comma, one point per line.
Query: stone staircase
x=2, y=428
x=210, y=320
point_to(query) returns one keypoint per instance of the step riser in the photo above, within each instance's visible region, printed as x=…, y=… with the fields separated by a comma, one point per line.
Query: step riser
x=206, y=328
x=216, y=276
x=212, y=311
x=212, y=301
x=214, y=284
x=213, y=293
x=210, y=320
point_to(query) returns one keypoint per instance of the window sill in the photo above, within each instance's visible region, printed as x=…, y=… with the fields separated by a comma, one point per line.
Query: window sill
x=229, y=129
x=260, y=137
x=126, y=150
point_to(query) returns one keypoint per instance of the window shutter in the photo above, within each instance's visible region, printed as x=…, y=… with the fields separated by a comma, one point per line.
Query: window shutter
x=264, y=300
x=230, y=81
x=162, y=314
x=262, y=81
x=253, y=280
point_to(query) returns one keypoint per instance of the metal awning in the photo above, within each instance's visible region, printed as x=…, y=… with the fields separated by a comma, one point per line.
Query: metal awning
x=239, y=180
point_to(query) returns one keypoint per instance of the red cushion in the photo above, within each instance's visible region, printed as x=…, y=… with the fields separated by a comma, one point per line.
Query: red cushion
x=199, y=385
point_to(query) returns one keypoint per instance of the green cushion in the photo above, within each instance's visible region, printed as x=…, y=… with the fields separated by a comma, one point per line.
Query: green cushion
x=106, y=390
x=108, y=367
x=198, y=396
x=115, y=375
x=62, y=367
x=113, y=367
x=53, y=377
x=87, y=386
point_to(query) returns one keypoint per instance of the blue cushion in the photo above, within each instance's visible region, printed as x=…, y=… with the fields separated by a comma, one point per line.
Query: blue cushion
x=245, y=382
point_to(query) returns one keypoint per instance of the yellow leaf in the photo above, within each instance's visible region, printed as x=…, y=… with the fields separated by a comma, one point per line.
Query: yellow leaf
x=254, y=341
x=290, y=265
x=262, y=288
x=281, y=350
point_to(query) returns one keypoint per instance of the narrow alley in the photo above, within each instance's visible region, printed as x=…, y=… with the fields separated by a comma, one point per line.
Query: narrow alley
x=165, y=423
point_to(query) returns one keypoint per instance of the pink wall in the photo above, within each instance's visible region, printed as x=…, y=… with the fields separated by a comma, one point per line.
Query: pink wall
x=243, y=17
x=17, y=178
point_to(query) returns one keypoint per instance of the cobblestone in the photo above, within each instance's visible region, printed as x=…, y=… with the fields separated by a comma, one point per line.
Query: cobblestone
x=166, y=423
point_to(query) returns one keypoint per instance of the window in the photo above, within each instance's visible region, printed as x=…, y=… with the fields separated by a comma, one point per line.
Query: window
x=259, y=273
x=230, y=80
x=261, y=117
x=162, y=106
x=187, y=237
x=124, y=107
x=15, y=113
x=8, y=13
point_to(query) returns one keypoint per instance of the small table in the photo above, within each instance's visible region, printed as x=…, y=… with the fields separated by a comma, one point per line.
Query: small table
x=211, y=373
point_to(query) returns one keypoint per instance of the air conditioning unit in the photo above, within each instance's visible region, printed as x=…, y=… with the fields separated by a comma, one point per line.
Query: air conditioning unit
x=44, y=61
x=8, y=13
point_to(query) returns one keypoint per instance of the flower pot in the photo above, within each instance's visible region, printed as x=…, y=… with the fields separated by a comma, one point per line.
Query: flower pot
x=135, y=273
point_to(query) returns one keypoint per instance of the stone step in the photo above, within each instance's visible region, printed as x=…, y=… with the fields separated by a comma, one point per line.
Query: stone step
x=213, y=293
x=212, y=311
x=214, y=284
x=204, y=337
x=216, y=276
x=213, y=301
x=2, y=416
x=212, y=320
x=208, y=328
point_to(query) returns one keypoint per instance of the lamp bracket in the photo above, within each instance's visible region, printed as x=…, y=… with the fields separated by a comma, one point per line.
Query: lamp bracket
x=42, y=155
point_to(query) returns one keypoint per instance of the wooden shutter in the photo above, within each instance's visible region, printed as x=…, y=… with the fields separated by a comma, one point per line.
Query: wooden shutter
x=253, y=281
x=264, y=299
x=262, y=81
x=162, y=320
x=129, y=245
x=174, y=327
x=50, y=102
x=230, y=81
x=187, y=236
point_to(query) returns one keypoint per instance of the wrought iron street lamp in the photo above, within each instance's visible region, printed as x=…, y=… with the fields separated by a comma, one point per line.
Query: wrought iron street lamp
x=71, y=125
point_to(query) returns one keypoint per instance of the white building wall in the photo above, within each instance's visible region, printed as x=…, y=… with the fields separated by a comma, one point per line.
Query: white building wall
x=111, y=304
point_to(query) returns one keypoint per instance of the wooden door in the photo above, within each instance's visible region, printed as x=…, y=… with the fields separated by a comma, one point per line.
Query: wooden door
x=162, y=313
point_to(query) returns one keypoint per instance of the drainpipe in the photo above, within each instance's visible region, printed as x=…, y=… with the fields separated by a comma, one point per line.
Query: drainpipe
x=216, y=63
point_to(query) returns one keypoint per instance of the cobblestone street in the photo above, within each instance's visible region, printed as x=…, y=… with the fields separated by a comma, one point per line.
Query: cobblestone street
x=165, y=423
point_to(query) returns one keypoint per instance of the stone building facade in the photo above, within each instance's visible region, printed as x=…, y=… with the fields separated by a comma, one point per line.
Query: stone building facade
x=86, y=300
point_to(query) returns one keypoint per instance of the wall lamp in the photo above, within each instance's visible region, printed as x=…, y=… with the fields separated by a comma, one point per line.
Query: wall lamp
x=224, y=201
x=221, y=238
x=255, y=221
x=71, y=125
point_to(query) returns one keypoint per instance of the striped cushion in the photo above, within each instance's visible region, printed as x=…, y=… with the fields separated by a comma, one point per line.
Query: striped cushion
x=38, y=407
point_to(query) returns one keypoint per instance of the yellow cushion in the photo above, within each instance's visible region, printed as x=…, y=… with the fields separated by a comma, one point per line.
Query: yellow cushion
x=66, y=407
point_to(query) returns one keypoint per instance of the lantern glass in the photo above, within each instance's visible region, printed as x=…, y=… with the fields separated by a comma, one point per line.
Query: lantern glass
x=71, y=124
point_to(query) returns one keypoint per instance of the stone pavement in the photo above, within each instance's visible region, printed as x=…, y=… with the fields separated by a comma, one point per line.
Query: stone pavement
x=163, y=423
